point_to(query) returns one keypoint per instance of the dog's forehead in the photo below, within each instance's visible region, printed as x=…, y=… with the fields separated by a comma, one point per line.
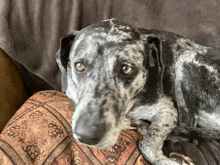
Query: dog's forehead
x=114, y=30
x=109, y=38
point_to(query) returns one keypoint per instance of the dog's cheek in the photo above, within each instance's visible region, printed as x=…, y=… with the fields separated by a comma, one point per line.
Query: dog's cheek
x=111, y=137
x=71, y=94
x=138, y=84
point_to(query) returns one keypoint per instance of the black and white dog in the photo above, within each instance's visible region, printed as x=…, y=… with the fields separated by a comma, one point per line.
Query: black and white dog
x=111, y=71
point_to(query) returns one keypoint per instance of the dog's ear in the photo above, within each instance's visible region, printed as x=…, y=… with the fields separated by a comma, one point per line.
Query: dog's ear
x=62, y=57
x=153, y=50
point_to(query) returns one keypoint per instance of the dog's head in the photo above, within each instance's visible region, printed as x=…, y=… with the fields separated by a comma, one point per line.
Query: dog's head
x=104, y=68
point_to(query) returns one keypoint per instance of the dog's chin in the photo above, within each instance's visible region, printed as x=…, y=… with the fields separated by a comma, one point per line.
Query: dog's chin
x=106, y=142
x=102, y=145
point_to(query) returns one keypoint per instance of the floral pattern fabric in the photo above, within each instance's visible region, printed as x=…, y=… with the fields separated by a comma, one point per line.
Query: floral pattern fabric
x=40, y=133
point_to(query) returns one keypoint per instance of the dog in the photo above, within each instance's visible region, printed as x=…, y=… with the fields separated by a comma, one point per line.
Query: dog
x=111, y=71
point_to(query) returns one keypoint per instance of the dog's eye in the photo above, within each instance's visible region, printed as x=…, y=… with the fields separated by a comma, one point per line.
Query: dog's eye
x=126, y=69
x=79, y=66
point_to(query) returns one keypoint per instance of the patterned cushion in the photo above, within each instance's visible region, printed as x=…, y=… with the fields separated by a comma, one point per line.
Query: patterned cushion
x=40, y=133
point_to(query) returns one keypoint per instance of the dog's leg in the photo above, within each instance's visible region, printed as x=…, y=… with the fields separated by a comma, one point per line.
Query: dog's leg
x=163, y=116
x=151, y=144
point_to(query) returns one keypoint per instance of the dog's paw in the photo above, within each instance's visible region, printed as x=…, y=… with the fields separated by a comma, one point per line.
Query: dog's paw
x=128, y=125
x=131, y=128
x=181, y=159
x=140, y=126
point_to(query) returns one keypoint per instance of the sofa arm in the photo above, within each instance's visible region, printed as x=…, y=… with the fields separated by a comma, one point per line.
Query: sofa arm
x=12, y=92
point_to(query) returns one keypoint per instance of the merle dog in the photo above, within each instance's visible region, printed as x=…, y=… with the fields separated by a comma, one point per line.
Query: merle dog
x=111, y=71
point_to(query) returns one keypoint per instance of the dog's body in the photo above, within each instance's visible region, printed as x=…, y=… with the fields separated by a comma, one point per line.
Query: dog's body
x=111, y=70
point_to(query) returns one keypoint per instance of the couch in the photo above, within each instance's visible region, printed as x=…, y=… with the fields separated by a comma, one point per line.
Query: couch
x=29, y=38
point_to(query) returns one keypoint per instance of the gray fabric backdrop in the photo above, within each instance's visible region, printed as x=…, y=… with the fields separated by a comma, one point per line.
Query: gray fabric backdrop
x=30, y=31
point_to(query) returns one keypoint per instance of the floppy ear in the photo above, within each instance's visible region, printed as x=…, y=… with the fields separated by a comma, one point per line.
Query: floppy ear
x=155, y=58
x=62, y=57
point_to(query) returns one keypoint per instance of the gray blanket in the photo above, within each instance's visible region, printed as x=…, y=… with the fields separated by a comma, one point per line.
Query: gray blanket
x=30, y=30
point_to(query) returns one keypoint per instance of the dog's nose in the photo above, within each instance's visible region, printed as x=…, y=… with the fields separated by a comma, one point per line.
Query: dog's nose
x=88, y=132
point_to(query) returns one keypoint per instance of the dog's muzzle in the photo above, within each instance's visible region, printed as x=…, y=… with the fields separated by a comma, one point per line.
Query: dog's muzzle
x=88, y=130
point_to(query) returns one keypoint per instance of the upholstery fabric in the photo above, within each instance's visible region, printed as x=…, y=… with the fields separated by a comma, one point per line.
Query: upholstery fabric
x=30, y=31
x=40, y=133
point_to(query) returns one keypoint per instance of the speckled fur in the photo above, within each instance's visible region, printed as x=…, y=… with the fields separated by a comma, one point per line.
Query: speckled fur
x=175, y=81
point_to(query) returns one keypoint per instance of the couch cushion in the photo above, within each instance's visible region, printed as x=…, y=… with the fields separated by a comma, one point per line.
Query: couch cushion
x=40, y=133
x=30, y=31
x=12, y=92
